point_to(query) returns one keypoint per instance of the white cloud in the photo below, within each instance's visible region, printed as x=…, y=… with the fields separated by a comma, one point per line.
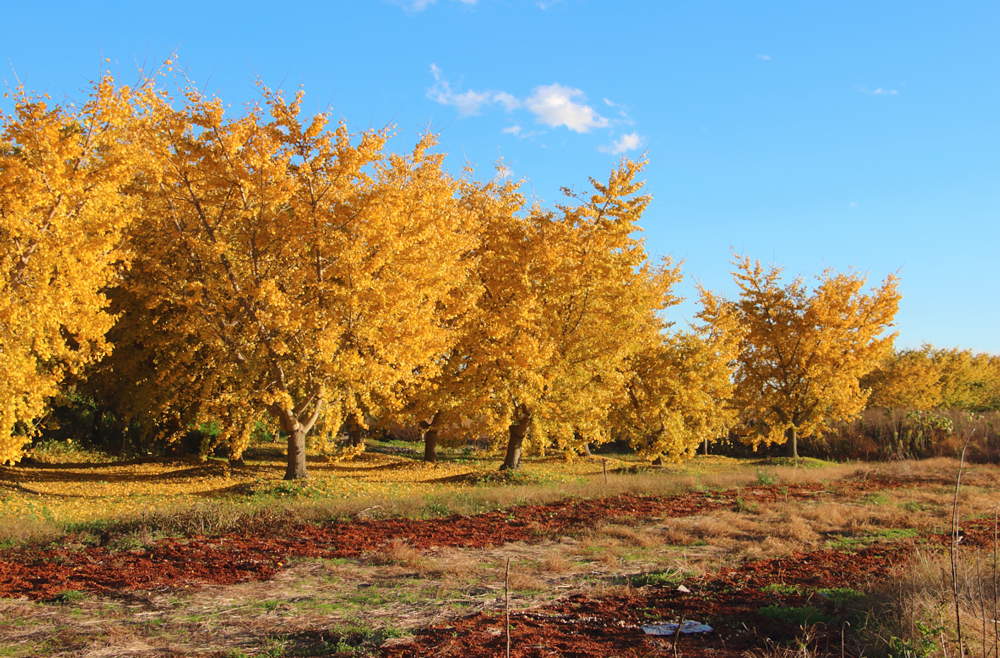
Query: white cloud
x=468, y=103
x=553, y=105
x=509, y=102
x=766, y=58
x=879, y=92
x=626, y=143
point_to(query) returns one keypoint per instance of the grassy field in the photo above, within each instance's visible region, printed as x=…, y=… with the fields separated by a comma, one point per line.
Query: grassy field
x=379, y=600
x=68, y=489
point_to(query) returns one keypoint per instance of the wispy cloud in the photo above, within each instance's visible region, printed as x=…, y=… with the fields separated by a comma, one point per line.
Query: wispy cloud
x=545, y=4
x=553, y=105
x=878, y=92
x=622, y=111
x=517, y=131
x=626, y=143
x=766, y=58
x=413, y=6
x=468, y=103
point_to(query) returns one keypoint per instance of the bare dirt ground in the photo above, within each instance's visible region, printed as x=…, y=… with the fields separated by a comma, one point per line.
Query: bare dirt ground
x=585, y=576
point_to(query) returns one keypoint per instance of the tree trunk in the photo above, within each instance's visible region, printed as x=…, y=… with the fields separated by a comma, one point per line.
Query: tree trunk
x=430, y=445
x=354, y=431
x=430, y=431
x=288, y=421
x=518, y=430
x=793, y=443
x=706, y=447
x=296, y=453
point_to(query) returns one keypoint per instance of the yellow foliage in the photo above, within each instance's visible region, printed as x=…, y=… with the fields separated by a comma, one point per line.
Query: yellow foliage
x=63, y=173
x=565, y=297
x=679, y=389
x=802, y=355
x=283, y=268
x=931, y=378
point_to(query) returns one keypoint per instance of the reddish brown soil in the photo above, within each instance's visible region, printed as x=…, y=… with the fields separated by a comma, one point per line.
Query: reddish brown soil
x=729, y=601
x=43, y=574
x=577, y=626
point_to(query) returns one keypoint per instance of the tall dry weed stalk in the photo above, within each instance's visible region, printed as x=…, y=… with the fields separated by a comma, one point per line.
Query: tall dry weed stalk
x=890, y=434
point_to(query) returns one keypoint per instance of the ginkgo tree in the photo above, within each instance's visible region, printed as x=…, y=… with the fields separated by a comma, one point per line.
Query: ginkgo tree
x=565, y=294
x=929, y=378
x=905, y=379
x=63, y=210
x=678, y=388
x=287, y=268
x=803, y=354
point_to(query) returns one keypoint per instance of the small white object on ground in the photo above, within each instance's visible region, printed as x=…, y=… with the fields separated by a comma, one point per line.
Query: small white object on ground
x=670, y=628
x=683, y=590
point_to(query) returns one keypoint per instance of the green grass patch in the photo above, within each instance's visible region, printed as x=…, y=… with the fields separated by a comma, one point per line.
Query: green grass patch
x=842, y=596
x=796, y=616
x=782, y=589
x=669, y=578
x=869, y=538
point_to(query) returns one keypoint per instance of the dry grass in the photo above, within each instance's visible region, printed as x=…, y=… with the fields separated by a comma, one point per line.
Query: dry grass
x=179, y=497
x=399, y=588
x=917, y=611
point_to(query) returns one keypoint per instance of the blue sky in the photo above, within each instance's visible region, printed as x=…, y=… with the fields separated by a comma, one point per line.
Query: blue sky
x=848, y=134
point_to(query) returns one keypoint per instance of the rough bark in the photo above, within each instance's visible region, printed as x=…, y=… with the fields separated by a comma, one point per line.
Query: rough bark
x=792, y=442
x=518, y=430
x=296, y=433
x=296, y=453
